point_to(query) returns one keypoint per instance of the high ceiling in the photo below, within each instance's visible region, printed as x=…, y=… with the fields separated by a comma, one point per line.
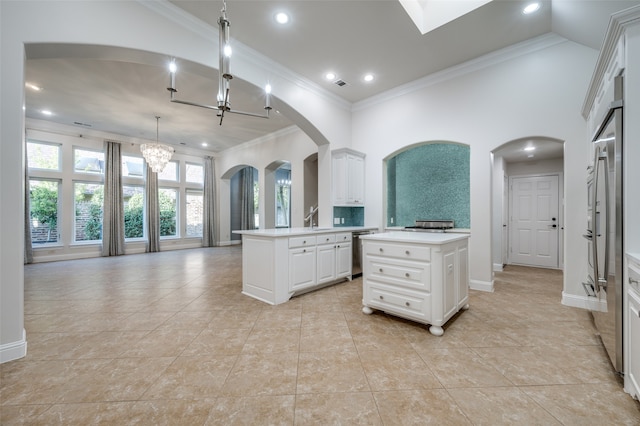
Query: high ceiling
x=120, y=92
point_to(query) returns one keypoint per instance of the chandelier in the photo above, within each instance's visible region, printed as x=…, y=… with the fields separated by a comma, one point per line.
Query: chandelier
x=156, y=155
x=223, y=103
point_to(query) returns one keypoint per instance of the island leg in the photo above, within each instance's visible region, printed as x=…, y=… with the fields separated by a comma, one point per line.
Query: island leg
x=367, y=310
x=465, y=307
x=436, y=330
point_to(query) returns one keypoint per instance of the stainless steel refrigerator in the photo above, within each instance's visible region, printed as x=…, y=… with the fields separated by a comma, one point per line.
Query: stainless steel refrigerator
x=604, y=230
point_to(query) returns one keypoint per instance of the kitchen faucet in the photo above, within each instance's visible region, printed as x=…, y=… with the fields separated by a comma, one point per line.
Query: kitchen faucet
x=309, y=218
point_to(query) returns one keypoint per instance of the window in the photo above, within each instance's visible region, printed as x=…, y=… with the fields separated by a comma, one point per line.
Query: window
x=170, y=172
x=195, y=205
x=86, y=161
x=195, y=173
x=168, y=211
x=88, y=211
x=44, y=156
x=133, y=211
x=132, y=166
x=43, y=196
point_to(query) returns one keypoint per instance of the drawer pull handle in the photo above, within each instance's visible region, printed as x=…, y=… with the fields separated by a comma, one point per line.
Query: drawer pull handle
x=304, y=242
x=381, y=250
x=380, y=270
x=381, y=298
x=407, y=275
x=407, y=303
x=407, y=252
x=327, y=239
x=304, y=251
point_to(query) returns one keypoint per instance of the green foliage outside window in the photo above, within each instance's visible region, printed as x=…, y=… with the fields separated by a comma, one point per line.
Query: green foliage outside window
x=133, y=217
x=44, y=203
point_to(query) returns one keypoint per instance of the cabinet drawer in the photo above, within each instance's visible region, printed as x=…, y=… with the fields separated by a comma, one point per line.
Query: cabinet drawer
x=407, y=274
x=302, y=241
x=326, y=239
x=401, y=302
x=396, y=250
x=343, y=237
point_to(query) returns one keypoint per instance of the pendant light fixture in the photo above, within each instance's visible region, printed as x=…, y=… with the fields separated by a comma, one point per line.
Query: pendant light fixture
x=223, y=103
x=157, y=155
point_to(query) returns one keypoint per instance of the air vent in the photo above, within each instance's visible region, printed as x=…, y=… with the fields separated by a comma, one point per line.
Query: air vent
x=340, y=82
x=77, y=123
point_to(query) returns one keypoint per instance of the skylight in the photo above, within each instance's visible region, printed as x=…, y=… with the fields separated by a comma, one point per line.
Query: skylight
x=428, y=15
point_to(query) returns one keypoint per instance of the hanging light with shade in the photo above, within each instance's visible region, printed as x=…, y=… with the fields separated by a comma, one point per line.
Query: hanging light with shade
x=157, y=155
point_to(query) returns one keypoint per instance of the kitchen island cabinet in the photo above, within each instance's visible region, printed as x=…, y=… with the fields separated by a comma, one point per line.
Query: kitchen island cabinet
x=423, y=277
x=278, y=264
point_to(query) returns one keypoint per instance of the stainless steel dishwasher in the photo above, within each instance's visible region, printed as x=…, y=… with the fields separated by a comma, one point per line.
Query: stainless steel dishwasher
x=356, y=250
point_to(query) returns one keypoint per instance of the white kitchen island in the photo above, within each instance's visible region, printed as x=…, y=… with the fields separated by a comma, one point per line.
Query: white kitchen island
x=419, y=276
x=280, y=263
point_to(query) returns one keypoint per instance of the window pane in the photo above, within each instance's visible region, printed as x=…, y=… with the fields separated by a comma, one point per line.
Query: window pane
x=194, y=213
x=132, y=166
x=168, y=212
x=133, y=211
x=43, y=196
x=170, y=172
x=88, y=161
x=195, y=173
x=43, y=156
x=88, y=211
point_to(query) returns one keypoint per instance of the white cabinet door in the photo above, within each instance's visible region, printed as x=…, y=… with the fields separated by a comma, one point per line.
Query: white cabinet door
x=326, y=263
x=340, y=179
x=450, y=289
x=463, y=276
x=355, y=167
x=634, y=342
x=343, y=260
x=302, y=268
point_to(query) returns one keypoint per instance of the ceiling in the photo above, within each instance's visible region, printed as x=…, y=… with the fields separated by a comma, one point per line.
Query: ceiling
x=121, y=91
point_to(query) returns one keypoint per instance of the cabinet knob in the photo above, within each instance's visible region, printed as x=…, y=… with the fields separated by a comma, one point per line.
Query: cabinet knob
x=407, y=304
x=304, y=242
x=407, y=275
x=407, y=252
x=327, y=239
x=380, y=270
x=381, y=298
x=304, y=251
x=381, y=250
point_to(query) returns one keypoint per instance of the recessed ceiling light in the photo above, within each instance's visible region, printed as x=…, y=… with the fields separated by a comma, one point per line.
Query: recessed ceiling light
x=46, y=112
x=282, y=18
x=330, y=76
x=368, y=77
x=530, y=148
x=205, y=144
x=530, y=156
x=531, y=8
x=33, y=87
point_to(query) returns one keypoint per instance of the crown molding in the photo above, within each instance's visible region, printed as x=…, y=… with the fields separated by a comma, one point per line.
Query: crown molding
x=617, y=25
x=248, y=55
x=510, y=52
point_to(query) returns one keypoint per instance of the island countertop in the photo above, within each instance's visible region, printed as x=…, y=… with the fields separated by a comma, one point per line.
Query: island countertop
x=417, y=237
x=292, y=232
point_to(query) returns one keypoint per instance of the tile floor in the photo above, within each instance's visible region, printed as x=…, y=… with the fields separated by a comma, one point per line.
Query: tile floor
x=168, y=339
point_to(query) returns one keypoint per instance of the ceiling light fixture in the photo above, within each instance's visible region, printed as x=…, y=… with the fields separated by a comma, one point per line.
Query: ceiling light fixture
x=368, y=77
x=530, y=148
x=157, y=155
x=33, y=87
x=46, y=112
x=282, y=18
x=531, y=8
x=224, y=76
x=330, y=76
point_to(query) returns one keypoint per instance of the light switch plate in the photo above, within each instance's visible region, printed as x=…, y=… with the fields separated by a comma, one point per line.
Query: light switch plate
x=336, y=221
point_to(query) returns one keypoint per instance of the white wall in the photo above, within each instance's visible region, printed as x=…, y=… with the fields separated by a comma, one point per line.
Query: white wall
x=536, y=94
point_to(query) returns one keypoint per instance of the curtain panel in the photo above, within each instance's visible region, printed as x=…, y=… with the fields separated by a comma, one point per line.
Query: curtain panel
x=247, y=210
x=113, y=207
x=152, y=204
x=209, y=232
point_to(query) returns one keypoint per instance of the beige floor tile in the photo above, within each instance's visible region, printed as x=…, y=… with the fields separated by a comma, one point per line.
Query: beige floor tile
x=279, y=317
x=397, y=371
x=336, y=409
x=272, y=340
x=325, y=372
x=501, y=406
x=325, y=339
x=161, y=343
x=255, y=410
x=323, y=319
x=263, y=374
x=419, y=407
x=234, y=318
x=211, y=341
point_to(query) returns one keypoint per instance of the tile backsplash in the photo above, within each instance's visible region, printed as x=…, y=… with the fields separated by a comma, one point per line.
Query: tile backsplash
x=348, y=216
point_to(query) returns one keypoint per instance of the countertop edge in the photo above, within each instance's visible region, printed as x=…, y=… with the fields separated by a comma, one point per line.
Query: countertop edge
x=293, y=232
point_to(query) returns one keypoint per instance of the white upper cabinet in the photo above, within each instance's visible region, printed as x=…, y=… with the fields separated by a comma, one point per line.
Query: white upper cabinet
x=348, y=177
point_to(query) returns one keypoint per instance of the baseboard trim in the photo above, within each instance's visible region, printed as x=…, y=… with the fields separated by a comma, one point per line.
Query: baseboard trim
x=497, y=267
x=584, y=302
x=481, y=285
x=14, y=350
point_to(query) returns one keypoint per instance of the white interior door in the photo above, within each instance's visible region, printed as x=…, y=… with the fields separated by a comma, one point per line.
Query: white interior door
x=534, y=221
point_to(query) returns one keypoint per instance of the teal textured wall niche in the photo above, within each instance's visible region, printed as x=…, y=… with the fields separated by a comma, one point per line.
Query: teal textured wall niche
x=429, y=181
